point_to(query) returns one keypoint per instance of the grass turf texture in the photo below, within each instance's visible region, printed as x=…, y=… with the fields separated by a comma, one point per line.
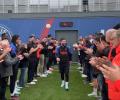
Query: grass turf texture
x=49, y=88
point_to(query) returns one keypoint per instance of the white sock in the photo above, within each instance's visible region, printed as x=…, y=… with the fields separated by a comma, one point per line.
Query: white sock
x=95, y=90
x=63, y=83
x=15, y=88
x=66, y=85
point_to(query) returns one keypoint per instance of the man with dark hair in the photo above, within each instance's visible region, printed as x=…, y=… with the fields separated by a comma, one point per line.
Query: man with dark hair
x=64, y=57
x=103, y=49
x=32, y=60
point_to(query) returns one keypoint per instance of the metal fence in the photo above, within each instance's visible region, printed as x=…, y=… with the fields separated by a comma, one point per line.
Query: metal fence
x=38, y=6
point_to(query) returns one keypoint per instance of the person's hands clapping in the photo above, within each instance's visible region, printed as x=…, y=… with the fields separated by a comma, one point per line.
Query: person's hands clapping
x=20, y=57
x=105, y=61
x=26, y=54
x=50, y=47
x=93, y=61
x=112, y=73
